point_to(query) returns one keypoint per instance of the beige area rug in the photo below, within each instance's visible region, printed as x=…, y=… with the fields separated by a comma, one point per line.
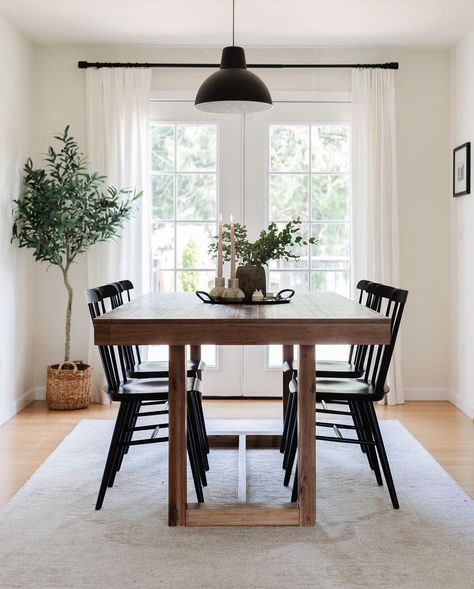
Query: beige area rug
x=51, y=537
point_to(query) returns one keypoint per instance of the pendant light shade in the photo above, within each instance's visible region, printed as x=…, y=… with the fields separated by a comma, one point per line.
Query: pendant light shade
x=233, y=89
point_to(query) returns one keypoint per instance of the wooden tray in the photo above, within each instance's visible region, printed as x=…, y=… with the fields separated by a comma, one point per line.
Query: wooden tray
x=278, y=299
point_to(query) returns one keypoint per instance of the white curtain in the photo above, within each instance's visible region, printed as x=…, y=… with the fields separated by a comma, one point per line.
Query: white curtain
x=117, y=119
x=374, y=190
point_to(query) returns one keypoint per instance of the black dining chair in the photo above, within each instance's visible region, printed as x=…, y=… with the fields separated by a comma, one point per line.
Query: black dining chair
x=358, y=395
x=352, y=368
x=118, y=293
x=138, y=398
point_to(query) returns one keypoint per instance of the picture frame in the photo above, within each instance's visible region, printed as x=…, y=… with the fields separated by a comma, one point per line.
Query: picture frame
x=462, y=169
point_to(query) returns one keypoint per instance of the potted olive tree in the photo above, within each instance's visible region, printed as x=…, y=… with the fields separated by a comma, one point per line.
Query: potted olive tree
x=272, y=244
x=63, y=211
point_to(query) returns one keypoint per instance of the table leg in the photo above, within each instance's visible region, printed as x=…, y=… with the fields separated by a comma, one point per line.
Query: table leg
x=307, y=435
x=288, y=356
x=177, y=453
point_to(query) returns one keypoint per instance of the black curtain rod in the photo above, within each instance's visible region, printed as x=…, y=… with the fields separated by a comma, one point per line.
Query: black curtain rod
x=393, y=65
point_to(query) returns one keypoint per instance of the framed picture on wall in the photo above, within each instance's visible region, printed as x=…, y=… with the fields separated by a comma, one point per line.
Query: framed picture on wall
x=462, y=169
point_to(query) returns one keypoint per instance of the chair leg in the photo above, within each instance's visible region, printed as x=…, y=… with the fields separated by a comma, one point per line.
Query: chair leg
x=371, y=451
x=202, y=421
x=192, y=454
x=294, y=491
x=201, y=441
x=286, y=422
x=382, y=453
x=292, y=448
x=113, y=450
x=129, y=423
x=357, y=419
x=292, y=420
x=193, y=434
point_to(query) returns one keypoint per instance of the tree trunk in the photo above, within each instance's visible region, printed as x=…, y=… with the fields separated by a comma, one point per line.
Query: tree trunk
x=67, y=344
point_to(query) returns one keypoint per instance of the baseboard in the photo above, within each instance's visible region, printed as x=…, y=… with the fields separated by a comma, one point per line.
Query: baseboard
x=427, y=394
x=462, y=404
x=40, y=393
x=19, y=404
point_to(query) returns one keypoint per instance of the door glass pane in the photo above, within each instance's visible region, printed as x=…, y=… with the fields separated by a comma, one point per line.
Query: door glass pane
x=192, y=280
x=317, y=189
x=289, y=196
x=329, y=197
x=197, y=148
x=299, y=281
x=196, y=197
x=330, y=148
x=333, y=241
x=162, y=148
x=183, y=179
x=289, y=148
x=162, y=186
x=162, y=245
x=193, y=240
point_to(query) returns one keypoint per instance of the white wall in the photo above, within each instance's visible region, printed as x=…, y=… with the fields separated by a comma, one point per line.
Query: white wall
x=462, y=233
x=423, y=105
x=16, y=266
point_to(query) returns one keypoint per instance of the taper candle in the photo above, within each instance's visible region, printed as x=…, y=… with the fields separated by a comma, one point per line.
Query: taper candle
x=219, y=249
x=232, y=248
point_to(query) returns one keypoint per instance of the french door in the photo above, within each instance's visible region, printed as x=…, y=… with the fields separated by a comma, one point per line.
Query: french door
x=292, y=161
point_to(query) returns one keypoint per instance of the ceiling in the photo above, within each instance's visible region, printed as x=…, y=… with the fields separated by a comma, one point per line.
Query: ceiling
x=258, y=22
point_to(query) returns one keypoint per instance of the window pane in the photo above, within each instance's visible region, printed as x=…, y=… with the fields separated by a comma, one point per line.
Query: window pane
x=193, y=280
x=333, y=281
x=289, y=148
x=296, y=280
x=329, y=196
x=162, y=280
x=330, y=148
x=162, y=186
x=197, y=197
x=196, y=148
x=162, y=244
x=333, y=240
x=193, y=243
x=301, y=250
x=162, y=148
x=288, y=197
x=336, y=264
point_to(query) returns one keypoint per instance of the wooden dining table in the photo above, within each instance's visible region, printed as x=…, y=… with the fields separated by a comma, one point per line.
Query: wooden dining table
x=181, y=319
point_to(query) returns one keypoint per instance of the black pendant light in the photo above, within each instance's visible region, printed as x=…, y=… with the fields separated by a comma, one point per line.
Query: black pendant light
x=233, y=89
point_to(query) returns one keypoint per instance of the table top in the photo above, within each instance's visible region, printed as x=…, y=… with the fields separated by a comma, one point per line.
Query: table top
x=181, y=318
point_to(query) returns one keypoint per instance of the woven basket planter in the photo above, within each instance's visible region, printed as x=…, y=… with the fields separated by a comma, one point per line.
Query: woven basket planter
x=251, y=278
x=68, y=385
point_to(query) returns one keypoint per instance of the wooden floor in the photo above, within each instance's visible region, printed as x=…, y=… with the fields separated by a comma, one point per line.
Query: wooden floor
x=28, y=439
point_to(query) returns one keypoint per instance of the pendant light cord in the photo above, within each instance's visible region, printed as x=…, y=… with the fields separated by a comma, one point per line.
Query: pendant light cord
x=233, y=23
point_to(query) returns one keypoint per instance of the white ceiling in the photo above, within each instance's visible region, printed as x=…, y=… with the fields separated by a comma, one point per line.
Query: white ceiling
x=258, y=22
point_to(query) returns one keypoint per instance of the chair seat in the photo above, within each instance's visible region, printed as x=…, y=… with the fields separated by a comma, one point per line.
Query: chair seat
x=159, y=369
x=338, y=369
x=141, y=389
x=344, y=389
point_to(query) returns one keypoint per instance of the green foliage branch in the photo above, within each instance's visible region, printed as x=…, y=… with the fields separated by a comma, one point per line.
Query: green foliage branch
x=64, y=210
x=272, y=244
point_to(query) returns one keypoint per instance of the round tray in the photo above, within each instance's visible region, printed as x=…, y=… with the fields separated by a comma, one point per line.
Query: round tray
x=278, y=299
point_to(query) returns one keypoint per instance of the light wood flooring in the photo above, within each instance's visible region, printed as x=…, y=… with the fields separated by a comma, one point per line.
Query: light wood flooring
x=28, y=439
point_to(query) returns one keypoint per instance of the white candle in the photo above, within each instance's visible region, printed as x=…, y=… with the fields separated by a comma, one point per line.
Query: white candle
x=232, y=249
x=219, y=249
